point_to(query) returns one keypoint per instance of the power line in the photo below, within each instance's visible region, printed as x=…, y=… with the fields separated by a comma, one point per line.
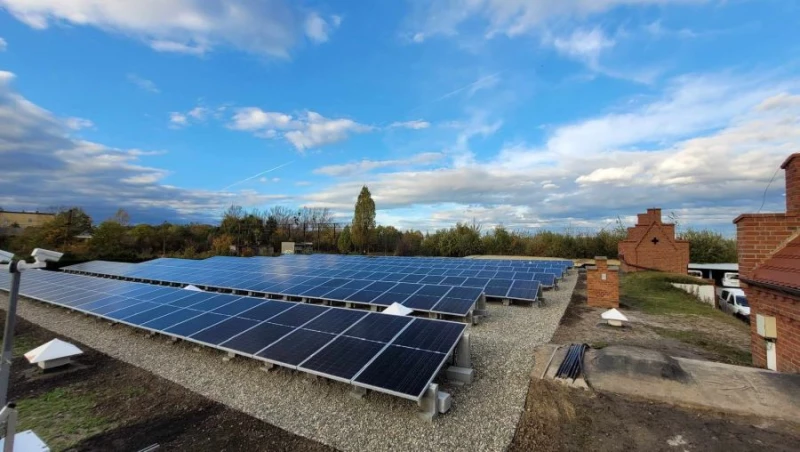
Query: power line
x=764, y=198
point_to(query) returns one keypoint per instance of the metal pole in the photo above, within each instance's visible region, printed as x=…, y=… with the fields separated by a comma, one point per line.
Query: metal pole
x=8, y=333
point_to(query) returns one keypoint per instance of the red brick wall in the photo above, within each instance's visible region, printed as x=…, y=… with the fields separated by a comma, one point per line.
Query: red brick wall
x=599, y=293
x=758, y=236
x=786, y=311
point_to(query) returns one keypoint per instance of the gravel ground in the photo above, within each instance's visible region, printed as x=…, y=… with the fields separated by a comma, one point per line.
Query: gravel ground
x=484, y=414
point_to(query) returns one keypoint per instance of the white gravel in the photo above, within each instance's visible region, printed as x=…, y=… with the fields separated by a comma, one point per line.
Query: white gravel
x=483, y=418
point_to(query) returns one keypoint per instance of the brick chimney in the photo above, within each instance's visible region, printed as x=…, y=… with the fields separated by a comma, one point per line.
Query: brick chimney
x=792, y=168
x=602, y=284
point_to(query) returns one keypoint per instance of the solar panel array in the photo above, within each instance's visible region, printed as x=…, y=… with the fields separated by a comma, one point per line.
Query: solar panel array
x=512, y=279
x=310, y=284
x=386, y=353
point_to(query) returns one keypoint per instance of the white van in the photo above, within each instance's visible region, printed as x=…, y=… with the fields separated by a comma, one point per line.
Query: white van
x=734, y=302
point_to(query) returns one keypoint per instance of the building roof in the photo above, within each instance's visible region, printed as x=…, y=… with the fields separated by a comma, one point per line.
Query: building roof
x=28, y=213
x=734, y=267
x=783, y=268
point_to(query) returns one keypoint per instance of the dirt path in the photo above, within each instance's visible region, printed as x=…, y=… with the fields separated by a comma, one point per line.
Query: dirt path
x=102, y=404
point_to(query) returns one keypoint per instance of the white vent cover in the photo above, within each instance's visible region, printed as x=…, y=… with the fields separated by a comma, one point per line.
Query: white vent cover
x=613, y=314
x=397, y=309
x=27, y=441
x=51, y=351
x=193, y=288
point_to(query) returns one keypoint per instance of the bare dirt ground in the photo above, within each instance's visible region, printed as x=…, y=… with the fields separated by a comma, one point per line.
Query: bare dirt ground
x=102, y=404
x=558, y=418
x=715, y=337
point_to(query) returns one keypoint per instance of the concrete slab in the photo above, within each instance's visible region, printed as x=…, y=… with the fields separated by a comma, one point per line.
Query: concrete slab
x=694, y=383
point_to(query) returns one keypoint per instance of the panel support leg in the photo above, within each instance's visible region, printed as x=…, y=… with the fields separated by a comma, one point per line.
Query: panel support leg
x=506, y=302
x=357, y=392
x=373, y=308
x=462, y=372
x=427, y=405
x=480, y=306
x=228, y=357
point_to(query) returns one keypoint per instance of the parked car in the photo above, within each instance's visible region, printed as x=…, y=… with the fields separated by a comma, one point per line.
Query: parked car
x=734, y=302
x=730, y=280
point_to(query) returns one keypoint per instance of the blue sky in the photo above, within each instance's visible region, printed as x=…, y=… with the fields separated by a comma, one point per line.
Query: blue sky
x=527, y=113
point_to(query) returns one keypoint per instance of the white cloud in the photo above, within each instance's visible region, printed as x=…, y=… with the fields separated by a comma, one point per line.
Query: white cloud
x=318, y=29
x=36, y=145
x=143, y=83
x=267, y=27
x=3, y=45
x=414, y=125
x=584, y=45
x=252, y=118
x=177, y=119
x=307, y=130
x=78, y=123
x=657, y=30
x=198, y=113
x=161, y=45
x=780, y=101
x=365, y=166
x=707, y=146
x=510, y=17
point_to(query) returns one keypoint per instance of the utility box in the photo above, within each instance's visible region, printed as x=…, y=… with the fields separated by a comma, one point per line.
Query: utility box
x=296, y=247
x=765, y=327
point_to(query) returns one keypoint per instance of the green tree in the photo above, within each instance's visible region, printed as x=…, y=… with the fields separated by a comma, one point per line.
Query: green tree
x=345, y=243
x=363, y=220
x=109, y=241
x=708, y=247
x=68, y=222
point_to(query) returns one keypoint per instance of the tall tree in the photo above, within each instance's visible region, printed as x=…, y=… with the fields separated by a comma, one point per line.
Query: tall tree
x=344, y=243
x=121, y=217
x=363, y=220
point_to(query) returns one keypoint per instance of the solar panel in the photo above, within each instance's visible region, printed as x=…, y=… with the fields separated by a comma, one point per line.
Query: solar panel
x=336, y=343
x=524, y=290
x=342, y=358
x=295, y=347
x=382, y=372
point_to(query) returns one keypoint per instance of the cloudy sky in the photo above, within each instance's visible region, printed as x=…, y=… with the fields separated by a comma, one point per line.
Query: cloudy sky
x=528, y=113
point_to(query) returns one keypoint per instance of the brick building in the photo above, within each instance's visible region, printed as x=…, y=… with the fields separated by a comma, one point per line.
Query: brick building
x=602, y=284
x=23, y=219
x=651, y=245
x=769, y=268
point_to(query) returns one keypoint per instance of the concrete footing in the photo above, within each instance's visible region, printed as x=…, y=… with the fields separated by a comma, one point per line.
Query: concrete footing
x=357, y=392
x=506, y=302
x=228, y=357
x=268, y=367
x=373, y=308
x=460, y=375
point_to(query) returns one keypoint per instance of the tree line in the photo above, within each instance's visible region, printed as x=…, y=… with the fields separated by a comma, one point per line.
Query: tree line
x=244, y=232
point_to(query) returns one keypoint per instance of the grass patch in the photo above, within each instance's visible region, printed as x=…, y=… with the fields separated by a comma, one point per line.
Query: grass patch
x=727, y=353
x=61, y=417
x=652, y=293
x=24, y=344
